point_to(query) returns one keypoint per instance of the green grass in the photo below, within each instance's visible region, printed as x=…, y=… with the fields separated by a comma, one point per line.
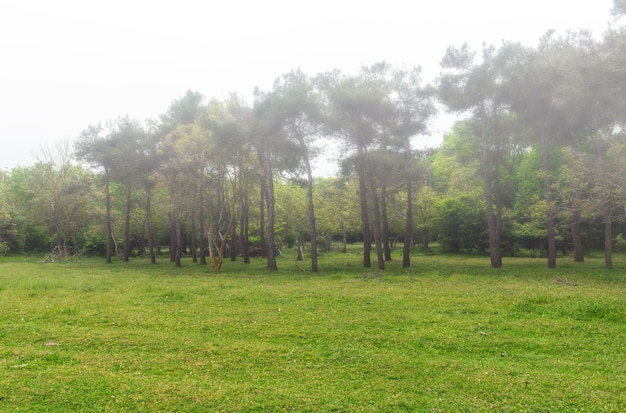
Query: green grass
x=453, y=335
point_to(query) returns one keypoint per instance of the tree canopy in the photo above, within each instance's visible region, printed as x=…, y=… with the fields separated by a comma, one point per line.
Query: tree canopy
x=534, y=163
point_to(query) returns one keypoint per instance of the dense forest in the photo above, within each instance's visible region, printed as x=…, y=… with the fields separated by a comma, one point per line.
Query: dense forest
x=534, y=164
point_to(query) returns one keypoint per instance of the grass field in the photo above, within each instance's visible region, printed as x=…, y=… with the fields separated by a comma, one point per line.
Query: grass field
x=453, y=335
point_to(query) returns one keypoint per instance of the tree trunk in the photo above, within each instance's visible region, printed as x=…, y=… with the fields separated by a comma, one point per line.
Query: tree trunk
x=173, y=239
x=608, y=239
x=311, y=208
x=243, y=229
x=270, y=203
x=194, y=254
x=385, y=224
x=262, y=230
x=498, y=198
x=179, y=240
x=494, y=239
x=547, y=188
x=61, y=248
x=109, y=226
x=300, y=254
x=408, y=229
x=344, y=235
x=201, y=228
x=367, y=238
x=577, y=240
x=149, y=223
x=377, y=224
x=126, y=256
x=233, y=241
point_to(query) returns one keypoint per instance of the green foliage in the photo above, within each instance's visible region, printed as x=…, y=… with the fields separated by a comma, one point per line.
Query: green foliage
x=291, y=212
x=8, y=230
x=203, y=163
x=462, y=224
x=337, y=205
x=455, y=165
x=620, y=242
x=529, y=231
x=51, y=203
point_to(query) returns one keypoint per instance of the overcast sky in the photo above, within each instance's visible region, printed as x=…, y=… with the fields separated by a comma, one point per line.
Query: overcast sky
x=67, y=64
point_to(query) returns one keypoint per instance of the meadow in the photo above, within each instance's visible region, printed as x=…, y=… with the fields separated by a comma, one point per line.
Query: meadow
x=450, y=335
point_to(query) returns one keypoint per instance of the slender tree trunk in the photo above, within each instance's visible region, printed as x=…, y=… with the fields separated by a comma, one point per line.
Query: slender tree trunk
x=494, y=245
x=577, y=240
x=385, y=224
x=547, y=188
x=608, y=239
x=149, y=223
x=220, y=249
x=175, y=214
x=243, y=229
x=311, y=207
x=109, y=226
x=344, y=238
x=377, y=224
x=408, y=229
x=233, y=242
x=498, y=153
x=62, y=250
x=201, y=227
x=300, y=254
x=367, y=238
x=179, y=240
x=262, y=229
x=127, y=225
x=173, y=239
x=234, y=239
x=194, y=254
x=172, y=214
x=270, y=203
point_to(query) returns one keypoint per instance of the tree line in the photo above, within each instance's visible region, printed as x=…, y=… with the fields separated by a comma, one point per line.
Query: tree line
x=536, y=161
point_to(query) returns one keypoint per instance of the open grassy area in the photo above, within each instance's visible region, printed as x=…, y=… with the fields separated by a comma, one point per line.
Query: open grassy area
x=454, y=335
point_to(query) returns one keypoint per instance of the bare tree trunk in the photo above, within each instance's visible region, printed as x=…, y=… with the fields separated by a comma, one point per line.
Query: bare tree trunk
x=262, y=230
x=577, y=240
x=311, y=208
x=149, y=223
x=201, y=229
x=608, y=239
x=494, y=239
x=243, y=229
x=179, y=240
x=109, y=226
x=547, y=188
x=367, y=237
x=377, y=224
x=408, y=228
x=233, y=242
x=385, y=224
x=344, y=236
x=194, y=254
x=127, y=224
x=61, y=248
x=498, y=200
x=173, y=239
x=270, y=203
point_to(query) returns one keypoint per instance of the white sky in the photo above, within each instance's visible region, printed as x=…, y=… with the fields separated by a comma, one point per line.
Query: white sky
x=66, y=64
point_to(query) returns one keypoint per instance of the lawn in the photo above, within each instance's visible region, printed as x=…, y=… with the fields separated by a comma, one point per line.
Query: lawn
x=450, y=335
